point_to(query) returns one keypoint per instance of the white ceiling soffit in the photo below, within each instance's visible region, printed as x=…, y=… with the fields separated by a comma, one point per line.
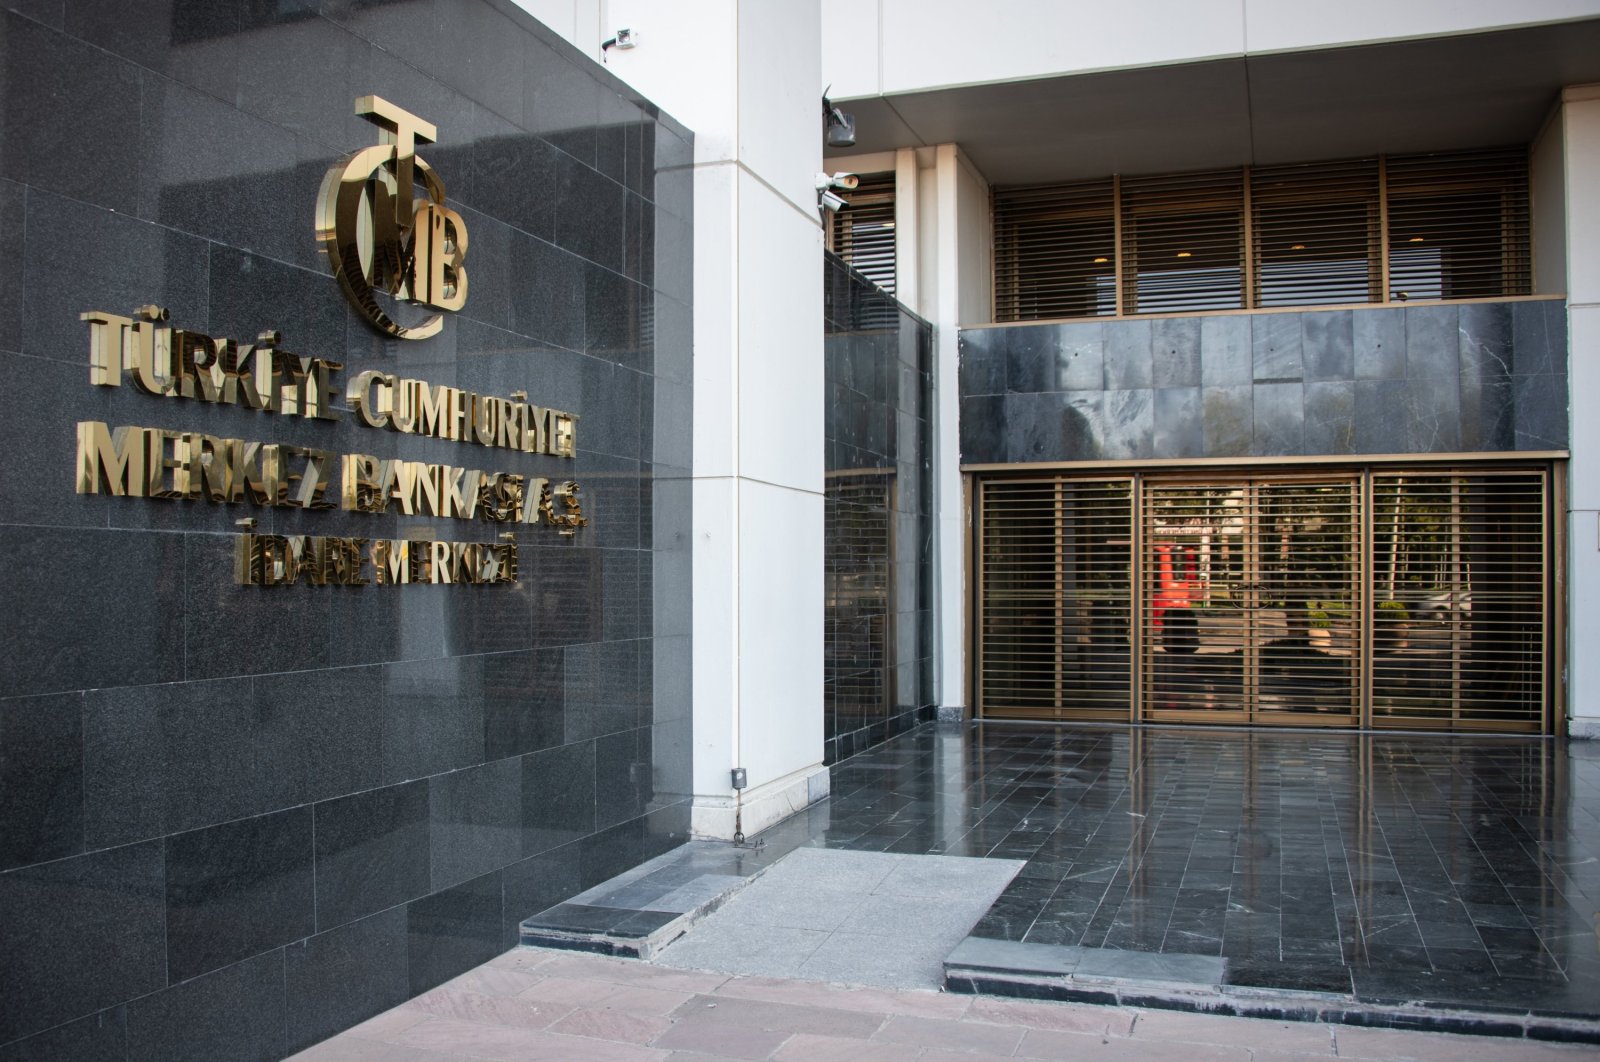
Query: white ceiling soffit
x=1478, y=90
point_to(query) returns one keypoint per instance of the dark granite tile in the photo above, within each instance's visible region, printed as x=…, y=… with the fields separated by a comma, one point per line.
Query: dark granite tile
x=237, y=1012
x=1541, y=412
x=59, y=649
x=558, y=796
x=1433, y=343
x=609, y=852
x=168, y=758
x=1079, y=359
x=616, y=310
x=622, y=767
x=336, y=979
x=41, y=778
x=1278, y=419
x=1292, y=976
x=523, y=708
x=86, y=266
x=1380, y=423
x=984, y=430
x=102, y=1036
x=1486, y=349
x=1228, y=420
x=1129, y=361
x=372, y=852
x=450, y=932
x=229, y=630
x=982, y=368
x=237, y=889
x=191, y=180
x=55, y=920
x=73, y=117
x=474, y=821
x=548, y=297
x=489, y=279
x=1031, y=353
x=13, y=227
x=1175, y=344
x=1226, y=355
x=1433, y=415
x=536, y=883
x=513, y=179
x=1330, y=417
x=431, y=718
x=1327, y=345
x=1380, y=344
x=1276, y=348
x=588, y=214
x=1129, y=425
x=1539, y=337
x=1054, y=426
x=324, y=728
x=1488, y=413
x=602, y=694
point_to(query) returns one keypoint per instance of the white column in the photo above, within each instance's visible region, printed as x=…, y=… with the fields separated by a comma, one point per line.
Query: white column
x=1580, y=119
x=743, y=75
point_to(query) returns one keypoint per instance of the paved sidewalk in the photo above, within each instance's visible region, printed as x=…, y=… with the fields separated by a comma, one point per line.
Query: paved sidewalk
x=538, y=1004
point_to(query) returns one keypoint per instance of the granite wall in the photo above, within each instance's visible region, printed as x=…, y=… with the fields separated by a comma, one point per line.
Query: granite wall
x=878, y=519
x=239, y=819
x=1387, y=380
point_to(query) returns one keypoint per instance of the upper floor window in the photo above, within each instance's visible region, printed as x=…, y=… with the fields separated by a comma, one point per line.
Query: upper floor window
x=1373, y=230
x=863, y=232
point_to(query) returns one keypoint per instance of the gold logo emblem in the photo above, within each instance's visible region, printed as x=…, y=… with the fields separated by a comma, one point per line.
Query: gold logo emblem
x=382, y=222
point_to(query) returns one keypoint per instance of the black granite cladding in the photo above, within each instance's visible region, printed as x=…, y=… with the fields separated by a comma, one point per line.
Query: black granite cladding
x=1453, y=378
x=878, y=517
x=238, y=820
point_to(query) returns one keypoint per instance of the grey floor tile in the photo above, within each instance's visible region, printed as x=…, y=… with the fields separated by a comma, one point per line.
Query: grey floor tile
x=754, y=950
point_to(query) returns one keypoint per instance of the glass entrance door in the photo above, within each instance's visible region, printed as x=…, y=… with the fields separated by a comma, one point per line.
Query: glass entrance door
x=1251, y=600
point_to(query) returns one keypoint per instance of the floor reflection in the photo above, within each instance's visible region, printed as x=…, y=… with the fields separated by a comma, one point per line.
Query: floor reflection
x=1396, y=866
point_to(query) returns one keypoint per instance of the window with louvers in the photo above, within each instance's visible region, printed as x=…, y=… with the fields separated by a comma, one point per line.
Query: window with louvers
x=863, y=232
x=1371, y=230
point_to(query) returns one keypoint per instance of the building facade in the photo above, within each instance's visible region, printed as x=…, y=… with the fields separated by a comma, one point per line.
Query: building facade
x=456, y=457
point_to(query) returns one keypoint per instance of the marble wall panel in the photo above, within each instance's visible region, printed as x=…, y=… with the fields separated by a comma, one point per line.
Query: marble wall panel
x=292, y=807
x=1420, y=379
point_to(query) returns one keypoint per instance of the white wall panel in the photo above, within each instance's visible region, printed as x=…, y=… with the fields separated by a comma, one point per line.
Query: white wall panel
x=780, y=108
x=1282, y=25
x=780, y=340
x=780, y=633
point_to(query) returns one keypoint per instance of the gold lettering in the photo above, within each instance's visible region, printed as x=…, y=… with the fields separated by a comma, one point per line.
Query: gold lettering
x=108, y=336
x=117, y=460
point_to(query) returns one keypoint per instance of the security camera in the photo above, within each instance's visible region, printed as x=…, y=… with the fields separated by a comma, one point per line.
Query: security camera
x=839, y=126
x=844, y=182
x=829, y=202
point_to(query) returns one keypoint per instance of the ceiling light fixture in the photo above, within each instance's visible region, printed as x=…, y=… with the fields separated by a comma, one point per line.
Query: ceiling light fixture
x=1416, y=239
x=1102, y=260
x=1185, y=254
x=1297, y=247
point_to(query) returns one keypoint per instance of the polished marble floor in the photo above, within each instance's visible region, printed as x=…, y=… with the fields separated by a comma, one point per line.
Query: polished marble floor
x=1394, y=867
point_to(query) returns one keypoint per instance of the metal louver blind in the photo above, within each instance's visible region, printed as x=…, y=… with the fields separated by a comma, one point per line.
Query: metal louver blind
x=1251, y=603
x=1056, y=598
x=1459, y=602
x=1055, y=251
x=1315, y=233
x=863, y=233
x=1183, y=242
x=1458, y=225
x=858, y=560
x=1444, y=226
